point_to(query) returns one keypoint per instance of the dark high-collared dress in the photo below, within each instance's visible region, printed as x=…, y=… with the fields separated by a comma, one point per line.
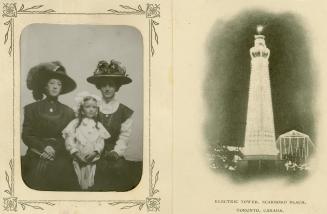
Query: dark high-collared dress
x=43, y=124
x=113, y=175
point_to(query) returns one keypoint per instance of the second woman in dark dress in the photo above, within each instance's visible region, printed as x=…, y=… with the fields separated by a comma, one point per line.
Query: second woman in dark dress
x=112, y=169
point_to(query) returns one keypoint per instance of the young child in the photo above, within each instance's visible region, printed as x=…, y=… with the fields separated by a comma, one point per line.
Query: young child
x=84, y=138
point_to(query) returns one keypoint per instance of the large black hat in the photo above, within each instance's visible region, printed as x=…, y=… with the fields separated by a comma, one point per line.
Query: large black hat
x=113, y=71
x=41, y=73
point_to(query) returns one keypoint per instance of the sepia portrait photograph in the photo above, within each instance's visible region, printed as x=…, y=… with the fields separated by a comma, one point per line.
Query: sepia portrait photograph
x=81, y=107
x=88, y=109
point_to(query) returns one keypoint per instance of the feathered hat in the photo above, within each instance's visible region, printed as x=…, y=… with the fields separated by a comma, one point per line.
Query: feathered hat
x=38, y=76
x=110, y=71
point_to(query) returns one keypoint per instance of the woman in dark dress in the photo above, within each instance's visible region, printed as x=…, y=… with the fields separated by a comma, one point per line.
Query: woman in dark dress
x=112, y=168
x=47, y=165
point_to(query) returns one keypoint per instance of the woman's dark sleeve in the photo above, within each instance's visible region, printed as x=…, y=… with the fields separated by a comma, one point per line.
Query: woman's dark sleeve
x=59, y=144
x=29, y=136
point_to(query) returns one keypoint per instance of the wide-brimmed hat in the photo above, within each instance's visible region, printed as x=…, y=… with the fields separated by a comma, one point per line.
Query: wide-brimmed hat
x=39, y=75
x=109, y=71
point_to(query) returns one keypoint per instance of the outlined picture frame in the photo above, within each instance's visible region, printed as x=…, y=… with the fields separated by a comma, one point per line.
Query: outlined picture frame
x=14, y=11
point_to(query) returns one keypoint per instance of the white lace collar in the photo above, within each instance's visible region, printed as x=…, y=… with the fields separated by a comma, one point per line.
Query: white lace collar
x=110, y=107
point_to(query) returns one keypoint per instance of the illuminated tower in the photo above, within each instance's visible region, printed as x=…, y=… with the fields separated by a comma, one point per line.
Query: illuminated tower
x=260, y=131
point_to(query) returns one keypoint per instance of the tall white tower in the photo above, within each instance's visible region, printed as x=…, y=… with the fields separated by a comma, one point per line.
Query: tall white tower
x=260, y=131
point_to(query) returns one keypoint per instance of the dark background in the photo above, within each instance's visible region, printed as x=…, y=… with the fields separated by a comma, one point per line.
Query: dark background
x=228, y=75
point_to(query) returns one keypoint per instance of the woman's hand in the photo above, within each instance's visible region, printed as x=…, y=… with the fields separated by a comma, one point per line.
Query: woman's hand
x=46, y=156
x=112, y=155
x=89, y=157
x=50, y=150
x=78, y=157
x=49, y=153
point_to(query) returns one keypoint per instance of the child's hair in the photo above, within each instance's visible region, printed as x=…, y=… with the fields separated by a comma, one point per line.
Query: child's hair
x=80, y=112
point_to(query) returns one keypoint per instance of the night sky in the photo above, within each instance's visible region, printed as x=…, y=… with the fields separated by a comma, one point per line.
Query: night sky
x=228, y=74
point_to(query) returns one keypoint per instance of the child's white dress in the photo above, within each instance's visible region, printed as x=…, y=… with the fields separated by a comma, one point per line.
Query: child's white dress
x=86, y=138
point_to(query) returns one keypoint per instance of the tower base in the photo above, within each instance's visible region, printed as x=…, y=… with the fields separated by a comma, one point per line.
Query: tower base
x=252, y=165
x=261, y=157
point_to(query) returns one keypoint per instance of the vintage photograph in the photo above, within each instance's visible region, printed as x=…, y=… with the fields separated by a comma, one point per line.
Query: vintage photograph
x=260, y=94
x=81, y=107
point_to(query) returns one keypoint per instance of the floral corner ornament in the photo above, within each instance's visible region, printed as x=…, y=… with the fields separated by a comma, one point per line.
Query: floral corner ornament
x=10, y=204
x=153, y=10
x=9, y=10
x=153, y=204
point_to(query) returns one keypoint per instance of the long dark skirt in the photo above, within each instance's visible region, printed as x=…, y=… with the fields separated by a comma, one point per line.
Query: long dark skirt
x=120, y=175
x=56, y=175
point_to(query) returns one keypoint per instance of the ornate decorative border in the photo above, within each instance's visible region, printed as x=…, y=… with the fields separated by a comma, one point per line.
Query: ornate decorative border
x=151, y=13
